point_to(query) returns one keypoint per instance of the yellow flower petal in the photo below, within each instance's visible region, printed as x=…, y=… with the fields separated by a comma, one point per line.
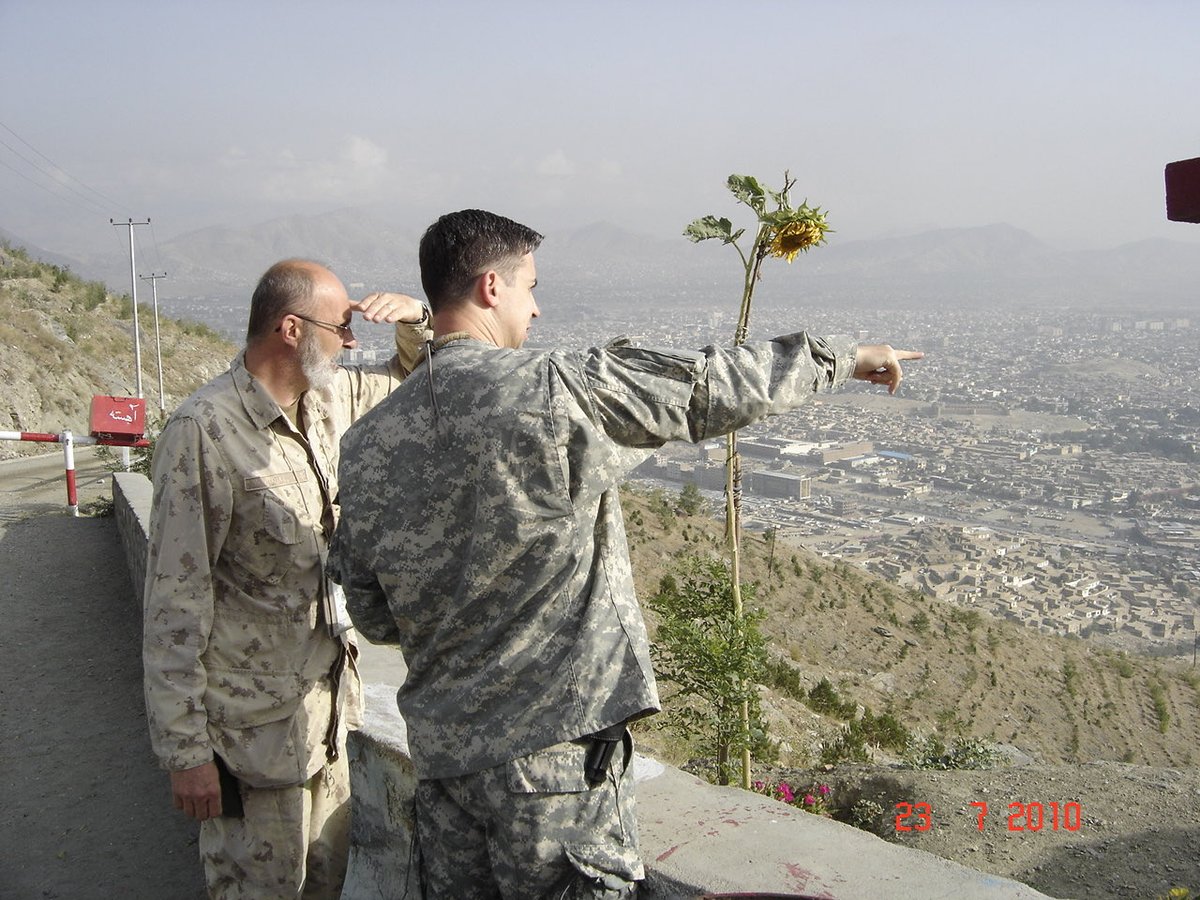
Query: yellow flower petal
x=792, y=238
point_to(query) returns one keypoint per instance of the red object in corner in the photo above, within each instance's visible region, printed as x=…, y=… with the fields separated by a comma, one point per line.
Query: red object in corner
x=1183, y=190
x=118, y=420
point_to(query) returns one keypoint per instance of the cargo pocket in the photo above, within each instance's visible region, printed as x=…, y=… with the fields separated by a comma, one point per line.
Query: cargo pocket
x=555, y=770
x=597, y=835
x=606, y=871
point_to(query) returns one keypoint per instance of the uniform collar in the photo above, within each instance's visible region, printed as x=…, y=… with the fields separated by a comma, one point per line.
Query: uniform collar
x=261, y=407
x=455, y=337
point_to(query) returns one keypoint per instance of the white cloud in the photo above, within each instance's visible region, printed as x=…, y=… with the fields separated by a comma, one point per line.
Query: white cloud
x=609, y=169
x=364, y=153
x=556, y=165
x=354, y=170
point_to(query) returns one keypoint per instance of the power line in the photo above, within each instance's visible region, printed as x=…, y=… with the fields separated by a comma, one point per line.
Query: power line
x=62, y=180
x=94, y=207
x=157, y=254
x=106, y=199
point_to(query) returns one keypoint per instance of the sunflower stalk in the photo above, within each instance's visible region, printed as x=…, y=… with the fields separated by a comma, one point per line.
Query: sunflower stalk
x=782, y=232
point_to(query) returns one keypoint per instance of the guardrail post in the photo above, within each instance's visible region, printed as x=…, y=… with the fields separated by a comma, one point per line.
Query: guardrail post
x=69, y=455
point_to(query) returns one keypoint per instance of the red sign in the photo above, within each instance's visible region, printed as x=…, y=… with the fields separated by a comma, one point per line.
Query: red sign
x=118, y=420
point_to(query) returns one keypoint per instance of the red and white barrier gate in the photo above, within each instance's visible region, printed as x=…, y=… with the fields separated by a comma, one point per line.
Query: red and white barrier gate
x=115, y=422
x=68, y=441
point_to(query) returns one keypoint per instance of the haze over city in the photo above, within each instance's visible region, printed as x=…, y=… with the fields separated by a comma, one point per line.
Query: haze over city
x=1055, y=117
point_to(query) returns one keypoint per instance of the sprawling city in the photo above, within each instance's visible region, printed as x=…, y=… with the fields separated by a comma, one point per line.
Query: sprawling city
x=1038, y=465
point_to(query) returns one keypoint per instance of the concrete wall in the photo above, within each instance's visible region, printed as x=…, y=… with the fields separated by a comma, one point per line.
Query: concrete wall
x=697, y=839
x=131, y=508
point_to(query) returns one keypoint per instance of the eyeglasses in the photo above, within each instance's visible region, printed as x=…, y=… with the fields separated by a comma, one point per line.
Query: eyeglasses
x=345, y=332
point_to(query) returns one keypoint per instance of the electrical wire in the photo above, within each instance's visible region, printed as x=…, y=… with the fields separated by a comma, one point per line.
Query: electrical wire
x=58, y=176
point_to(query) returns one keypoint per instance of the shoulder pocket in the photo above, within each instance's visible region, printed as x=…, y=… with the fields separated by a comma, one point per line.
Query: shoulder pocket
x=675, y=365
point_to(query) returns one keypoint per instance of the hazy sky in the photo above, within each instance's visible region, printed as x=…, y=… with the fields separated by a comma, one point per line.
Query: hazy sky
x=1056, y=117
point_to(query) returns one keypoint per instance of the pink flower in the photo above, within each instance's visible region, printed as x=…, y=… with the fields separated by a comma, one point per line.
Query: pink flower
x=824, y=790
x=786, y=792
x=810, y=800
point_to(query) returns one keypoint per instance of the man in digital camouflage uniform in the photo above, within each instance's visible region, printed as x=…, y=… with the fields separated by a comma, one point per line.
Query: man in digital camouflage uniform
x=481, y=531
x=246, y=664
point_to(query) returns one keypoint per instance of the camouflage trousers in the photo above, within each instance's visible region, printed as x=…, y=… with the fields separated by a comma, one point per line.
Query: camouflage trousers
x=293, y=842
x=530, y=828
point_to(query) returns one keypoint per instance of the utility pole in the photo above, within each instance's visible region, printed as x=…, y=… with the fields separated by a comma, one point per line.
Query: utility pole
x=153, y=279
x=137, y=338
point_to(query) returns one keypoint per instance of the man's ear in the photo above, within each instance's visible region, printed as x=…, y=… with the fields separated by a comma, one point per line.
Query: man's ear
x=289, y=330
x=487, y=288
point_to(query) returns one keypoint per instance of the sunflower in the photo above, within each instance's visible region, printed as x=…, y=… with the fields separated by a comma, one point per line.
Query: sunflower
x=795, y=236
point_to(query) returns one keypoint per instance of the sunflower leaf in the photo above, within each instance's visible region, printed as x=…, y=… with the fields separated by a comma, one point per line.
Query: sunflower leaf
x=747, y=189
x=707, y=227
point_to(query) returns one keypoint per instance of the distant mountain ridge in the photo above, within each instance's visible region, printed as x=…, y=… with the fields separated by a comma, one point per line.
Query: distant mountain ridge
x=995, y=264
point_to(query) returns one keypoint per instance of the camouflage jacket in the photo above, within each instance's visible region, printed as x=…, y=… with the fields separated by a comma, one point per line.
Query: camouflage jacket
x=238, y=658
x=481, y=529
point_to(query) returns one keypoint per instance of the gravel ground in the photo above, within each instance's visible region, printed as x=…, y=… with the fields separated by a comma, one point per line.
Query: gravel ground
x=1134, y=834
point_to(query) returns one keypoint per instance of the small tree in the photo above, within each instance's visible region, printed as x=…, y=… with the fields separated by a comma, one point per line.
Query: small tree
x=691, y=501
x=714, y=661
x=783, y=231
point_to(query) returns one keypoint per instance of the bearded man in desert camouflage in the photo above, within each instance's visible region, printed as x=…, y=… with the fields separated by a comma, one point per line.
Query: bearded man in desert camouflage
x=482, y=532
x=249, y=668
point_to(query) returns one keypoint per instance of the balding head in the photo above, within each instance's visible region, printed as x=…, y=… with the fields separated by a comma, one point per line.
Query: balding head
x=286, y=287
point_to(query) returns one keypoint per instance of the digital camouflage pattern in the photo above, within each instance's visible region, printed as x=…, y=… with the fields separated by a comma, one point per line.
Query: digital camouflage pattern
x=238, y=659
x=531, y=827
x=481, y=529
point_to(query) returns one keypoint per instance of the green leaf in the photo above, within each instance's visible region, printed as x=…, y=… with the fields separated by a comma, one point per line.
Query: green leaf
x=747, y=189
x=710, y=227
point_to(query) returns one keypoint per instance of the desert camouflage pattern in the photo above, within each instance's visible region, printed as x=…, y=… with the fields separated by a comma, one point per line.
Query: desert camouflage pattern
x=481, y=529
x=238, y=659
x=531, y=827
x=293, y=842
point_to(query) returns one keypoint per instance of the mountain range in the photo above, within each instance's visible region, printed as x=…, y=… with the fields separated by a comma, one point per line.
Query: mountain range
x=979, y=266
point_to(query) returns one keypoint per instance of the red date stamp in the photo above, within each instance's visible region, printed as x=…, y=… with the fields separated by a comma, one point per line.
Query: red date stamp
x=1032, y=816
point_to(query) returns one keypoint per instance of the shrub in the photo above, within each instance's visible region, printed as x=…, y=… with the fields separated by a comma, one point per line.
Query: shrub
x=965, y=753
x=714, y=660
x=824, y=698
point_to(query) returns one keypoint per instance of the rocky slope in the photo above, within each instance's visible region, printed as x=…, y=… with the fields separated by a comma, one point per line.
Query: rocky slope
x=63, y=340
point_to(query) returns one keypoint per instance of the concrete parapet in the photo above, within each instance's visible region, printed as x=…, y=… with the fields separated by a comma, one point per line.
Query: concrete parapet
x=382, y=784
x=697, y=839
x=131, y=495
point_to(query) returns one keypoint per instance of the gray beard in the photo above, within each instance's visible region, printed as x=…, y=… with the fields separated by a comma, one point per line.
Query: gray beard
x=318, y=369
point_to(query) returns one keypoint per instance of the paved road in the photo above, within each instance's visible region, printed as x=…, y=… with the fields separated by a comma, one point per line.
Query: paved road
x=37, y=484
x=86, y=810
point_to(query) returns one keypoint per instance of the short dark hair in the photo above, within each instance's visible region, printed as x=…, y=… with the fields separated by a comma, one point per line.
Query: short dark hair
x=287, y=286
x=461, y=246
